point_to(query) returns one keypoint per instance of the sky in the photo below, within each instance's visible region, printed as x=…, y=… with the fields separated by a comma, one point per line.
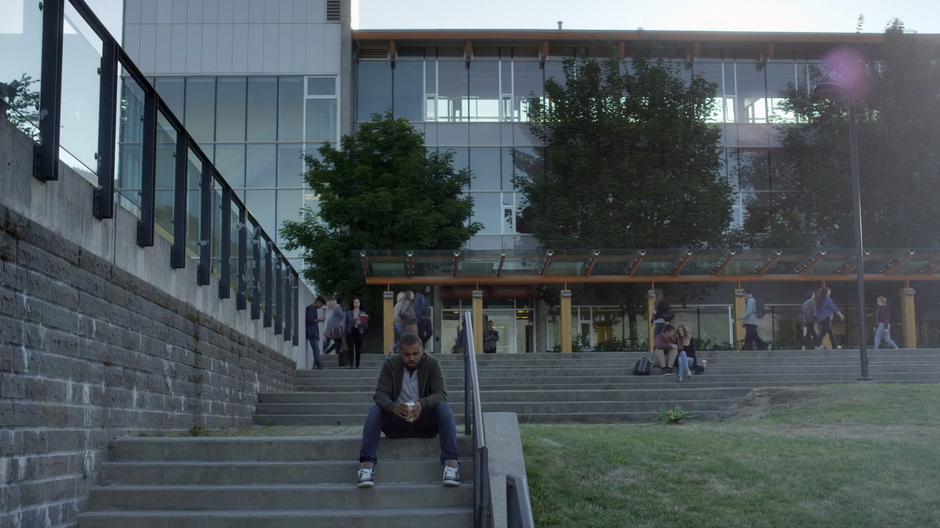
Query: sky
x=922, y=16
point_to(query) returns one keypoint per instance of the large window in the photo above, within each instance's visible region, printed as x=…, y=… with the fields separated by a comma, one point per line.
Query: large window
x=409, y=90
x=230, y=109
x=262, y=109
x=712, y=73
x=451, y=90
x=527, y=83
x=483, y=104
x=752, y=94
x=290, y=111
x=485, y=165
x=780, y=78
x=374, y=89
x=200, y=108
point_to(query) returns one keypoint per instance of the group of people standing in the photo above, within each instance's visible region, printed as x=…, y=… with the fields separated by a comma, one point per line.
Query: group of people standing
x=343, y=329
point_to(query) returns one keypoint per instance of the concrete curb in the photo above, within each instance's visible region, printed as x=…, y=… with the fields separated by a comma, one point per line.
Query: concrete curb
x=504, y=443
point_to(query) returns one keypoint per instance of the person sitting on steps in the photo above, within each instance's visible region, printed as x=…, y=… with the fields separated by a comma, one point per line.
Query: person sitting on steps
x=687, y=358
x=410, y=402
x=666, y=351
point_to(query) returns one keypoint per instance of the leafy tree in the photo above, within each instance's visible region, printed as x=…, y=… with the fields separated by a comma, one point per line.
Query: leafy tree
x=899, y=157
x=630, y=160
x=379, y=190
x=23, y=101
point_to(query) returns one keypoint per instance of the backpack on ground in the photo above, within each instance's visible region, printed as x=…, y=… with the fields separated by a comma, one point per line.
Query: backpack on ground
x=759, y=309
x=642, y=367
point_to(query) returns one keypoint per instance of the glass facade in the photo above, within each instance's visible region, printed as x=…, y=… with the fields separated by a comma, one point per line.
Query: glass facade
x=459, y=104
x=256, y=130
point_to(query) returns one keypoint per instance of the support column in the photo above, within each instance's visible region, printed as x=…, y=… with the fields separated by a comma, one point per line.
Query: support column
x=650, y=310
x=478, y=321
x=908, y=318
x=740, y=305
x=566, y=321
x=388, y=322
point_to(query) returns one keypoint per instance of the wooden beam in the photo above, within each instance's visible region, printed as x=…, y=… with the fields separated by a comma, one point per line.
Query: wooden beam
x=392, y=51
x=590, y=267
x=365, y=263
x=931, y=267
x=807, y=265
x=502, y=261
x=521, y=280
x=468, y=50
x=622, y=49
x=543, y=52
x=456, y=263
x=723, y=265
x=547, y=262
x=768, y=263
x=410, y=263
x=681, y=263
x=897, y=261
x=631, y=269
x=692, y=51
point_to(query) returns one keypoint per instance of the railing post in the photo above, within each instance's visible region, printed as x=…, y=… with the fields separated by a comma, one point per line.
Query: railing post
x=178, y=251
x=278, y=297
x=467, y=402
x=256, y=274
x=295, y=335
x=46, y=153
x=107, y=130
x=268, y=290
x=241, y=298
x=205, y=225
x=148, y=168
x=288, y=305
x=225, y=264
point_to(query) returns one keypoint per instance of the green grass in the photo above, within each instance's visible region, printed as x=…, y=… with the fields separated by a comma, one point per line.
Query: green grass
x=833, y=456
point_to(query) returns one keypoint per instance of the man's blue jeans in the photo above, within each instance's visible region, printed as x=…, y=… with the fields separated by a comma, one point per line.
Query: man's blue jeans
x=315, y=344
x=437, y=422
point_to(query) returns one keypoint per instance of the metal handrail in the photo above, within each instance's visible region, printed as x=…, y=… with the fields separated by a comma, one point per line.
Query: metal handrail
x=518, y=507
x=47, y=157
x=473, y=421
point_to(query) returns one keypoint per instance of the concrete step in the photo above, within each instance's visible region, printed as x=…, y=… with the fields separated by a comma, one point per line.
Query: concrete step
x=280, y=497
x=247, y=472
x=559, y=418
x=521, y=408
x=270, y=449
x=452, y=517
x=682, y=392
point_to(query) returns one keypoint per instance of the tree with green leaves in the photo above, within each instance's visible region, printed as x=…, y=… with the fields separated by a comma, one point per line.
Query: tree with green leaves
x=630, y=161
x=380, y=190
x=899, y=156
x=22, y=97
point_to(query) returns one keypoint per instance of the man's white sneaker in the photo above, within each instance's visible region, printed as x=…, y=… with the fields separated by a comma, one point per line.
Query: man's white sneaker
x=366, y=478
x=451, y=476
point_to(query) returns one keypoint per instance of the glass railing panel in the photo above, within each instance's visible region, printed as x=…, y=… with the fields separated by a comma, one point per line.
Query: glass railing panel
x=81, y=87
x=251, y=269
x=21, y=63
x=193, y=204
x=233, y=252
x=129, y=133
x=263, y=272
x=167, y=137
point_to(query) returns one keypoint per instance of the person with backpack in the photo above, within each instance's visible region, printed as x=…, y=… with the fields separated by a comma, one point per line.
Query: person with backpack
x=406, y=321
x=662, y=314
x=808, y=316
x=753, y=312
x=826, y=309
x=423, y=315
x=335, y=328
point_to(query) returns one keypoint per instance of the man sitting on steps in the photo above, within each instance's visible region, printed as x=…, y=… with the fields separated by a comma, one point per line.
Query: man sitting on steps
x=410, y=401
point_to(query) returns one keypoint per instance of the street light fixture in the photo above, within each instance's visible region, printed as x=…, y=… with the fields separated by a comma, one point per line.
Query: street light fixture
x=837, y=91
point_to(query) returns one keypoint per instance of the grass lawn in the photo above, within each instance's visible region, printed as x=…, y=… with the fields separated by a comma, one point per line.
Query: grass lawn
x=832, y=456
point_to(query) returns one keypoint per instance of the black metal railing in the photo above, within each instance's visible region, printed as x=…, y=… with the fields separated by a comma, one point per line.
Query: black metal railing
x=518, y=508
x=473, y=426
x=279, y=293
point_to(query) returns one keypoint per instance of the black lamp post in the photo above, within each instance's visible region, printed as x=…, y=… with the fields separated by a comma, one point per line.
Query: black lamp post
x=835, y=91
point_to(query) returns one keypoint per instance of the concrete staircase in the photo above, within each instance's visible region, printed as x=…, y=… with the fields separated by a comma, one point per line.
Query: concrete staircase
x=594, y=387
x=275, y=482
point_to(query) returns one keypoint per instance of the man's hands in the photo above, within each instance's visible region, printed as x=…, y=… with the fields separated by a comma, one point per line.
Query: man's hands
x=408, y=414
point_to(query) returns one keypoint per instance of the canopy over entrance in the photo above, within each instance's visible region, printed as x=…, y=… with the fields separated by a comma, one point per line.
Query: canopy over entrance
x=643, y=266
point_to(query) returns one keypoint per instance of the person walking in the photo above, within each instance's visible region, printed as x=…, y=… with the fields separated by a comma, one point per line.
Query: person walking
x=335, y=328
x=662, y=313
x=825, y=311
x=883, y=331
x=410, y=401
x=357, y=322
x=751, y=320
x=312, y=324
x=808, y=316
x=490, y=338
x=406, y=321
x=423, y=315
x=686, y=344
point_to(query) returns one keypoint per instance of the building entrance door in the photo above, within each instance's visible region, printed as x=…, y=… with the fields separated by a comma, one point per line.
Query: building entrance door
x=504, y=322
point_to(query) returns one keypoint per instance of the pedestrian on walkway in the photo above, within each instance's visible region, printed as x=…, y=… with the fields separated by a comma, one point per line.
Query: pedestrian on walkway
x=751, y=319
x=883, y=331
x=357, y=322
x=490, y=338
x=826, y=309
x=410, y=401
x=808, y=315
x=312, y=323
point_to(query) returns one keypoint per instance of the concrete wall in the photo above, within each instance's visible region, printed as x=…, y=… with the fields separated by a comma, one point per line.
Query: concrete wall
x=100, y=338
